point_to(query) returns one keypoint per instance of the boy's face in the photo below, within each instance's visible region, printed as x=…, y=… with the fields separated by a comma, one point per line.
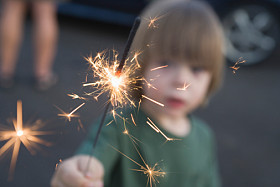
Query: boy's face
x=180, y=87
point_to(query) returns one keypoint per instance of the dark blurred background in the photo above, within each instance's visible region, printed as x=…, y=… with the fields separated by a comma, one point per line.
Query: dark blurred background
x=244, y=114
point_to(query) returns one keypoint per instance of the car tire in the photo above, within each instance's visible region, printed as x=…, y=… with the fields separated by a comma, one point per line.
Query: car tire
x=252, y=32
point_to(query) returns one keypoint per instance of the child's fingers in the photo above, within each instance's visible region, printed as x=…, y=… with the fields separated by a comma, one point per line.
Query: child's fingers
x=94, y=171
x=68, y=175
x=93, y=184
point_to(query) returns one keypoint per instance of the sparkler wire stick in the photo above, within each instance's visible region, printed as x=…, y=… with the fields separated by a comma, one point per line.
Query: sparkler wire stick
x=118, y=72
x=128, y=43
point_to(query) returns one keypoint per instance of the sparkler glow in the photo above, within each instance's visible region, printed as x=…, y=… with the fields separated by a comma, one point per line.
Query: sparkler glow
x=26, y=136
x=109, y=81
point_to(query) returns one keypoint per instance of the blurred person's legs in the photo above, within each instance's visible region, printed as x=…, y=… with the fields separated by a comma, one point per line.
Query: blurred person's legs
x=11, y=27
x=45, y=40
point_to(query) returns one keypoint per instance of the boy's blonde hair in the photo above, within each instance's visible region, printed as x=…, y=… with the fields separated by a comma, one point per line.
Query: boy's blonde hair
x=183, y=30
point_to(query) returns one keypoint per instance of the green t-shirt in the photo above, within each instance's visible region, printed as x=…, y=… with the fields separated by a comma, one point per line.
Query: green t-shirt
x=188, y=162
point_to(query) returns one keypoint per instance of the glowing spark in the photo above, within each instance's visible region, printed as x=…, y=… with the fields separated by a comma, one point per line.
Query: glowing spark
x=109, y=123
x=158, y=103
x=235, y=67
x=184, y=87
x=149, y=84
x=133, y=121
x=135, y=58
x=81, y=126
x=75, y=96
x=56, y=165
x=150, y=45
x=152, y=173
x=126, y=132
x=27, y=136
x=109, y=80
x=70, y=115
x=152, y=22
x=160, y=67
x=155, y=128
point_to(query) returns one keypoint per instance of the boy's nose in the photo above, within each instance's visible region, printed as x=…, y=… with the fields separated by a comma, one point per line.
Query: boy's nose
x=181, y=77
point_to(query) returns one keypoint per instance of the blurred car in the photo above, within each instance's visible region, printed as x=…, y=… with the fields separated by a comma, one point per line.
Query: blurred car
x=251, y=27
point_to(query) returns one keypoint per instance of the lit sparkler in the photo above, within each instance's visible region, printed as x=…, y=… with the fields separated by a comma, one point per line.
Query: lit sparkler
x=112, y=79
x=26, y=136
x=235, y=67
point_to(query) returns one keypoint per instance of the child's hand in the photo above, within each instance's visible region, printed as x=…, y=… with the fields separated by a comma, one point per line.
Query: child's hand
x=71, y=172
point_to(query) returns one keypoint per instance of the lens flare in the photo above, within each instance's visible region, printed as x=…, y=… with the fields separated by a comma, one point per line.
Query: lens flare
x=26, y=136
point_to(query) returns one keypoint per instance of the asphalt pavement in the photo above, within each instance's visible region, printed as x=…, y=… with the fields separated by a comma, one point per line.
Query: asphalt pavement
x=245, y=113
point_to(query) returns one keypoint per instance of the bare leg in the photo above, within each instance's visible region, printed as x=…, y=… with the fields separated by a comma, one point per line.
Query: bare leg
x=45, y=37
x=11, y=26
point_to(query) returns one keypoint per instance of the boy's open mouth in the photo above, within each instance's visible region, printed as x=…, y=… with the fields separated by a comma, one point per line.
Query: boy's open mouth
x=175, y=102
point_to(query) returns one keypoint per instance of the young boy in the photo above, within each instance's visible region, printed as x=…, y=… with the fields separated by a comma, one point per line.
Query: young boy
x=186, y=39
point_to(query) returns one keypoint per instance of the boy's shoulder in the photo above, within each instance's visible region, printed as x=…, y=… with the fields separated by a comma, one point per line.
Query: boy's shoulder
x=201, y=127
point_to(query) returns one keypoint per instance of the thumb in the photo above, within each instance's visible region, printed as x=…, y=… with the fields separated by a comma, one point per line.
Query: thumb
x=91, y=167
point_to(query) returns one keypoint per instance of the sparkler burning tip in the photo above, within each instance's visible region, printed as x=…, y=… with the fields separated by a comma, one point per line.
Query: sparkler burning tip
x=113, y=81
